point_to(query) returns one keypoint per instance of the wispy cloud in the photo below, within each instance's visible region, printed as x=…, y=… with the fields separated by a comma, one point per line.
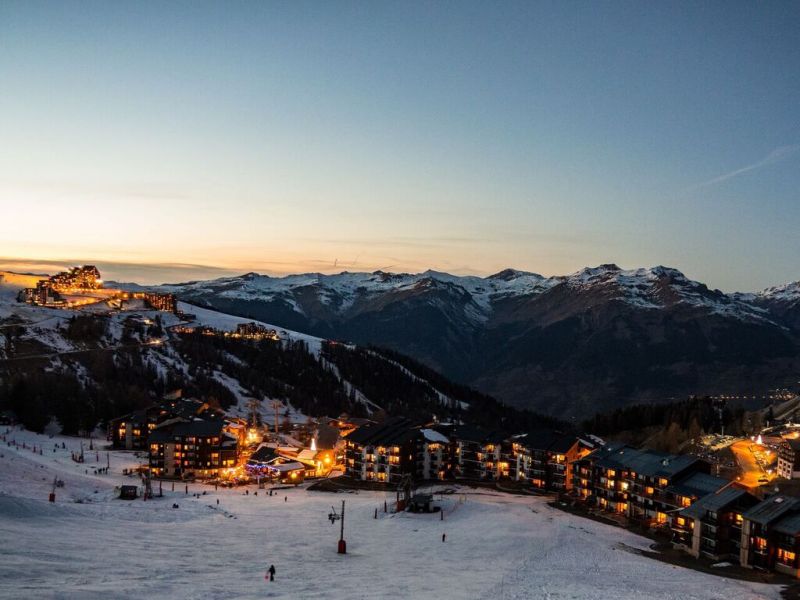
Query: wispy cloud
x=773, y=157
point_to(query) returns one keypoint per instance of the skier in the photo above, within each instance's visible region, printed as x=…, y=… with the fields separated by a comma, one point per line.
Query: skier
x=270, y=573
x=444, y=536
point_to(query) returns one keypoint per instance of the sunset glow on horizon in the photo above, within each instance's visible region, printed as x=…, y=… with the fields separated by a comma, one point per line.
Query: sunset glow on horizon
x=192, y=141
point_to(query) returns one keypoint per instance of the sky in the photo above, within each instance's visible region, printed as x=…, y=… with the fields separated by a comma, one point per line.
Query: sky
x=175, y=141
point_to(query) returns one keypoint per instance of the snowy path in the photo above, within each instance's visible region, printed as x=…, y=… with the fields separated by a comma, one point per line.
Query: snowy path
x=497, y=546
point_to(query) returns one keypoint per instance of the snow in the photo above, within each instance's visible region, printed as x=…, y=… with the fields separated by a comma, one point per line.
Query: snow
x=225, y=322
x=434, y=436
x=644, y=288
x=497, y=546
x=789, y=292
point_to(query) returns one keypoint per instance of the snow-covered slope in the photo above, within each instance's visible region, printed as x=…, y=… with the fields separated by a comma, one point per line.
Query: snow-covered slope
x=218, y=543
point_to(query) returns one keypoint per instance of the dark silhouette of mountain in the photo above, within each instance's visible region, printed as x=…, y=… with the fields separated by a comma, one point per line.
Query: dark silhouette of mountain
x=572, y=345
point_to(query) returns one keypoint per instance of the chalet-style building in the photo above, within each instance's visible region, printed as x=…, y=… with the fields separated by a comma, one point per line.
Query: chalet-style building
x=434, y=456
x=478, y=454
x=789, y=459
x=545, y=458
x=130, y=432
x=382, y=452
x=770, y=532
x=643, y=485
x=182, y=449
x=390, y=450
x=268, y=463
x=712, y=526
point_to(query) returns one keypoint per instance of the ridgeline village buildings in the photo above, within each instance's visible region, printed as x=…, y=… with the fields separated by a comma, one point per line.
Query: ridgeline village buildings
x=83, y=285
x=50, y=291
x=248, y=331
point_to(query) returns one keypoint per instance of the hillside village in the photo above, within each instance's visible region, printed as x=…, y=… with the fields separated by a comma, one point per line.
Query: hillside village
x=745, y=512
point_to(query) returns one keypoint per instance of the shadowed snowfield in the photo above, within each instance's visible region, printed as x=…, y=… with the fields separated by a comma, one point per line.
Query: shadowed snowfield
x=497, y=546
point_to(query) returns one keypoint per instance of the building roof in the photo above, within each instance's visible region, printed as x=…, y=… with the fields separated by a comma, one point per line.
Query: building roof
x=771, y=509
x=196, y=427
x=794, y=443
x=790, y=525
x=392, y=432
x=263, y=454
x=431, y=435
x=714, y=502
x=698, y=485
x=288, y=466
x=645, y=462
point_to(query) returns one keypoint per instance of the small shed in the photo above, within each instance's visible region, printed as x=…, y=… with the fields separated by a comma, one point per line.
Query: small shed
x=421, y=503
x=128, y=492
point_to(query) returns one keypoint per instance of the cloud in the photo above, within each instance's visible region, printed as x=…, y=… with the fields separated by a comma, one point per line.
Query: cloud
x=773, y=157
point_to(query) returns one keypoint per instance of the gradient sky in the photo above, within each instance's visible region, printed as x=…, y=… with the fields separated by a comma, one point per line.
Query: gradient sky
x=465, y=137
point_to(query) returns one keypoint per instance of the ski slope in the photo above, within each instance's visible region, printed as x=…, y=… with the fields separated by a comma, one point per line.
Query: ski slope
x=88, y=545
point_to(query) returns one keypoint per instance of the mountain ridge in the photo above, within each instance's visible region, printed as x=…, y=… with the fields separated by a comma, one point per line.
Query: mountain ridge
x=569, y=345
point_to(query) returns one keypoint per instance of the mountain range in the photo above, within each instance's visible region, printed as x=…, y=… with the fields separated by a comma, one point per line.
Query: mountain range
x=568, y=346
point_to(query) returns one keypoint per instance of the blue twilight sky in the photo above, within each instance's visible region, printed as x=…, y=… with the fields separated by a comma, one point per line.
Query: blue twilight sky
x=466, y=137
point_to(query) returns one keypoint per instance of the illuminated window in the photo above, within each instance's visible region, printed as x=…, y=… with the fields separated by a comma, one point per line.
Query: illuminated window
x=786, y=556
x=661, y=518
x=686, y=501
x=662, y=482
x=649, y=490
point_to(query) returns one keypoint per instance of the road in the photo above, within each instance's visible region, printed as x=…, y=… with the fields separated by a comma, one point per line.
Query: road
x=751, y=471
x=153, y=342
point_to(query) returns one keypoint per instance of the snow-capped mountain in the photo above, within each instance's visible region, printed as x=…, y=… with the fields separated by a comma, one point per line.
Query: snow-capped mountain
x=602, y=336
x=346, y=293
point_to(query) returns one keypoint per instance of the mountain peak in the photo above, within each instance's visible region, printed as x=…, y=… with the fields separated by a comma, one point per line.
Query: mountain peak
x=511, y=274
x=788, y=292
